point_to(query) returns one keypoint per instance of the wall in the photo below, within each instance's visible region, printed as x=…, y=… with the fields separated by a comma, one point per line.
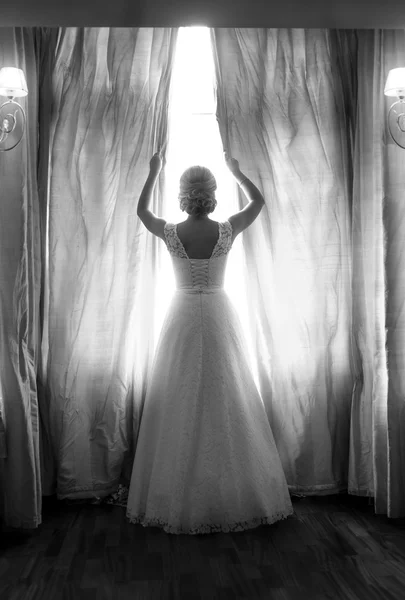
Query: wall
x=214, y=13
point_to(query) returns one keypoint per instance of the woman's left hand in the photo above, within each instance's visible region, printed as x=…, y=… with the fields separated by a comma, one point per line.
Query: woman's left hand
x=156, y=164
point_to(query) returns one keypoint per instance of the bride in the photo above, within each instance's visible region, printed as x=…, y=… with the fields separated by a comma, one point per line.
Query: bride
x=205, y=458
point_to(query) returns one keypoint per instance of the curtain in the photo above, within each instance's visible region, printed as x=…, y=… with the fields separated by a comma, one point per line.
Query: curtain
x=368, y=452
x=109, y=92
x=20, y=276
x=305, y=111
x=281, y=112
x=382, y=182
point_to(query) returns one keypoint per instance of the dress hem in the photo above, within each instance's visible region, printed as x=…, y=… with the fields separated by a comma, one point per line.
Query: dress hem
x=205, y=528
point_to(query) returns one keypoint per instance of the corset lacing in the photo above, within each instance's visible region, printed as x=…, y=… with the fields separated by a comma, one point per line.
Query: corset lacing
x=200, y=269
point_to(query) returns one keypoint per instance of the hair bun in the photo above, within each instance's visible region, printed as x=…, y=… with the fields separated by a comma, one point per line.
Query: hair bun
x=197, y=191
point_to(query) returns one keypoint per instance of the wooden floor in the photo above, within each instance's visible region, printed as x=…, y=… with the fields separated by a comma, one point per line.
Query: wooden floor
x=332, y=547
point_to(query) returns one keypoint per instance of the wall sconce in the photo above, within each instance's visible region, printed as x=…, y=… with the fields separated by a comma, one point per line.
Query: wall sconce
x=395, y=86
x=12, y=115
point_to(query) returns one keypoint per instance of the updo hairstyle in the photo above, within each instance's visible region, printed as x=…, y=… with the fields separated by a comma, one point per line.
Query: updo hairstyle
x=197, y=191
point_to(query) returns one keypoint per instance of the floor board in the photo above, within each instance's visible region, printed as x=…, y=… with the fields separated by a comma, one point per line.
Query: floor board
x=333, y=547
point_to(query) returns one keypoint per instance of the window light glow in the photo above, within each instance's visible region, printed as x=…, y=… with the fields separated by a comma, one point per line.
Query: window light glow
x=194, y=138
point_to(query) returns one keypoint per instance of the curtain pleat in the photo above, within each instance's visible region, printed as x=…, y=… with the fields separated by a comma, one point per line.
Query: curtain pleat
x=47, y=51
x=20, y=279
x=381, y=188
x=369, y=399
x=109, y=115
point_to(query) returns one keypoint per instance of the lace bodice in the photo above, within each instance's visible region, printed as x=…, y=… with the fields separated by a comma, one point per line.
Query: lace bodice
x=221, y=248
x=199, y=274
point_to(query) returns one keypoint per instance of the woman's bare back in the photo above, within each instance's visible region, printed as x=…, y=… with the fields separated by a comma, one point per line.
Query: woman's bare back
x=199, y=238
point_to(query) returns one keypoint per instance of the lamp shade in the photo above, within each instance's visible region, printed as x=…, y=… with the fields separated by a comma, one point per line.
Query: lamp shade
x=395, y=85
x=12, y=82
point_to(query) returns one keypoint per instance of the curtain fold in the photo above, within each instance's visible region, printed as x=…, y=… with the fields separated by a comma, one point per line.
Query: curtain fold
x=369, y=401
x=20, y=277
x=47, y=56
x=382, y=182
x=110, y=90
x=281, y=111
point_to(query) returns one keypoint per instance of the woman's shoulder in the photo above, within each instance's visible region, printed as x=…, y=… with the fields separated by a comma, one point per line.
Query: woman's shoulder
x=193, y=224
x=190, y=227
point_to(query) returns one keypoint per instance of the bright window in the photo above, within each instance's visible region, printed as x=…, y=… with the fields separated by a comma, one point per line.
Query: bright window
x=194, y=139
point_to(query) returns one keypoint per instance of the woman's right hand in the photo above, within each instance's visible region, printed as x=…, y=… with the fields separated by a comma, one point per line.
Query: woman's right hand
x=156, y=163
x=231, y=163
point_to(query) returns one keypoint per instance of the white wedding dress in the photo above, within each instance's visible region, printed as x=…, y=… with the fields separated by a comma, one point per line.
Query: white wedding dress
x=205, y=458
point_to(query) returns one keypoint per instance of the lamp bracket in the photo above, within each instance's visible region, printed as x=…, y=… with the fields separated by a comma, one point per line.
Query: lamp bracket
x=11, y=125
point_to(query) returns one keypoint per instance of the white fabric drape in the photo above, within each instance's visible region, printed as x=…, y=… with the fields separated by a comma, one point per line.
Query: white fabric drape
x=110, y=101
x=281, y=112
x=368, y=467
x=306, y=111
x=380, y=189
x=20, y=274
